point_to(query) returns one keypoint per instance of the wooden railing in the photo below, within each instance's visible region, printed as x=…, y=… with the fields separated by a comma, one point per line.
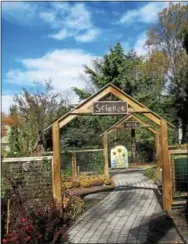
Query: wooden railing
x=26, y=159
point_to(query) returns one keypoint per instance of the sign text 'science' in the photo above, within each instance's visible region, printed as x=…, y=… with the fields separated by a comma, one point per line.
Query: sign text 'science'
x=110, y=107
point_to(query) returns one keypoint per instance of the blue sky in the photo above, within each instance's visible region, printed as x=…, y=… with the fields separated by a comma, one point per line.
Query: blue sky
x=42, y=40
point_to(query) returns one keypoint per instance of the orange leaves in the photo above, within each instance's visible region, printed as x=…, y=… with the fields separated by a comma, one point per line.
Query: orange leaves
x=171, y=26
x=7, y=120
x=3, y=131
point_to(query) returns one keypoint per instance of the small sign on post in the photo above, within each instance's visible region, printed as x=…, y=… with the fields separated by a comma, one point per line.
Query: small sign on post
x=131, y=124
x=109, y=107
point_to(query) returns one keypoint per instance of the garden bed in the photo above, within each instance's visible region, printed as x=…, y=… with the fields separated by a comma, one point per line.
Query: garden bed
x=85, y=184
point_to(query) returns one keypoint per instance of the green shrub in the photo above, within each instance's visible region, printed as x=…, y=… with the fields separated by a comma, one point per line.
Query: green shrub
x=150, y=173
x=154, y=174
x=74, y=206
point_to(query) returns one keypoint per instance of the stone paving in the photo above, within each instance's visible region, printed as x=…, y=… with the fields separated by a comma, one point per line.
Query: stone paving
x=121, y=217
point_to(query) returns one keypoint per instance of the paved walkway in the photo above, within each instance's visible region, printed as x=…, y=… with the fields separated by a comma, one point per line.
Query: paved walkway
x=121, y=217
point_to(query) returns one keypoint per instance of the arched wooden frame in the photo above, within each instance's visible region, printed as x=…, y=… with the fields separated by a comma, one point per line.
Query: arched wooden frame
x=119, y=124
x=133, y=107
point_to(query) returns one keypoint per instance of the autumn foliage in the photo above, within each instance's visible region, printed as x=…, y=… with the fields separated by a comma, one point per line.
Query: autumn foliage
x=6, y=120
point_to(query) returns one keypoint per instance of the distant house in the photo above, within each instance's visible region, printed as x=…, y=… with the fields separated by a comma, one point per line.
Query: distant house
x=4, y=140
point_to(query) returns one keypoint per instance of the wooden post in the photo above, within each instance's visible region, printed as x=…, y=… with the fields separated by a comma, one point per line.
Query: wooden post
x=158, y=149
x=166, y=173
x=105, y=144
x=74, y=167
x=56, y=165
x=173, y=176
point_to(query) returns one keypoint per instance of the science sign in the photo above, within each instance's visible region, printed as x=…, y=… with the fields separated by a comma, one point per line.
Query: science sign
x=119, y=157
x=110, y=107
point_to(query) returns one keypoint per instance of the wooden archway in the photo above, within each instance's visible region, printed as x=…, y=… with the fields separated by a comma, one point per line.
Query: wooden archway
x=119, y=124
x=133, y=107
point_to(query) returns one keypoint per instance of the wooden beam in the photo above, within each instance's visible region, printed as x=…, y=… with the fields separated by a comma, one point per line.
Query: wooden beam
x=56, y=165
x=176, y=203
x=178, y=151
x=26, y=159
x=158, y=148
x=144, y=124
x=71, y=151
x=74, y=167
x=105, y=144
x=126, y=118
x=66, y=120
x=117, y=124
x=85, y=106
x=173, y=176
x=90, y=111
x=82, y=107
x=135, y=105
x=167, y=179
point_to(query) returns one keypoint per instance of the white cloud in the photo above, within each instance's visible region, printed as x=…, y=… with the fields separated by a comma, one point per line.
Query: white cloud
x=50, y=18
x=76, y=19
x=88, y=36
x=139, y=45
x=16, y=12
x=62, y=34
x=62, y=66
x=68, y=19
x=7, y=101
x=146, y=14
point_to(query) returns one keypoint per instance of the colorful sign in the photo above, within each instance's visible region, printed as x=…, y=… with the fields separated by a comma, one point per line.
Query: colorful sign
x=119, y=157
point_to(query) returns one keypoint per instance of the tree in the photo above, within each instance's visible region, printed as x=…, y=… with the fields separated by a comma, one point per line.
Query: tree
x=153, y=72
x=169, y=36
x=126, y=71
x=164, y=36
x=14, y=140
x=35, y=111
x=183, y=35
x=179, y=91
x=116, y=68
